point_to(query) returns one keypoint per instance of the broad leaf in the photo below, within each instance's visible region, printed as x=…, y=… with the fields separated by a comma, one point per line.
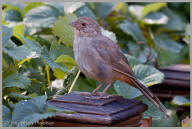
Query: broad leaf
x=85, y=11
x=152, y=8
x=63, y=30
x=57, y=5
x=32, y=5
x=166, y=43
x=126, y=90
x=132, y=60
x=16, y=52
x=57, y=49
x=43, y=16
x=6, y=116
x=136, y=10
x=27, y=112
x=102, y=9
x=12, y=15
x=148, y=75
x=70, y=7
x=9, y=70
x=165, y=122
x=175, y=22
x=50, y=61
x=6, y=34
x=181, y=101
x=166, y=57
x=68, y=61
x=18, y=30
x=18, y=96
x=152, y=111
x=133, y=30
x=109, y=34
x=16, y=80
x=156, y=18
x=33, y=46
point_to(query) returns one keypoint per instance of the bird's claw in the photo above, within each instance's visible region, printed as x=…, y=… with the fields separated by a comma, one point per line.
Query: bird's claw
x=96, y=95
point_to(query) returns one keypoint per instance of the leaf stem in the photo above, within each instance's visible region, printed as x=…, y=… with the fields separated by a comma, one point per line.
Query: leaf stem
x=23, y=61
x=48, y=74
x=60, y=40
x=42, y=120
x=72, y=85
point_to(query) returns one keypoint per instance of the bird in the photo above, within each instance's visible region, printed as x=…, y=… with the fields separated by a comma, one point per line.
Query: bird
x=99, y=58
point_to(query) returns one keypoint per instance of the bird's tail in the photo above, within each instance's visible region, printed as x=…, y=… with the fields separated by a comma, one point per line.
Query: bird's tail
x=149, y=95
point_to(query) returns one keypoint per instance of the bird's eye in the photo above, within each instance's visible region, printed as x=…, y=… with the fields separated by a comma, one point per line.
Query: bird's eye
x=83, y=24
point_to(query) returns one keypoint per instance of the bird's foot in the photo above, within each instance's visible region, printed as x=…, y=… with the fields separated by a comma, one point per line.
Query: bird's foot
x=96, y=95
x=104, y=96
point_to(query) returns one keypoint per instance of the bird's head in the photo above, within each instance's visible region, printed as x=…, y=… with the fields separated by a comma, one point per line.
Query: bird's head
x=86, y=26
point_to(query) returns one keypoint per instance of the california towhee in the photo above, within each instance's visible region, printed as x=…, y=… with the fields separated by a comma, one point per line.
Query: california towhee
x=101, y=59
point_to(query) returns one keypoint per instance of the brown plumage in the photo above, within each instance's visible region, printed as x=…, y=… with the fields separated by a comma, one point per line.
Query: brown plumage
x=101, y=59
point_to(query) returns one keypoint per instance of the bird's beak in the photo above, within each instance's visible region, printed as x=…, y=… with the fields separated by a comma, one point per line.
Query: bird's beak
x=73, y=24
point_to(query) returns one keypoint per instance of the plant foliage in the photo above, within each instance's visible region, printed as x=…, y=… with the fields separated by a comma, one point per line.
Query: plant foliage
x=38, y=61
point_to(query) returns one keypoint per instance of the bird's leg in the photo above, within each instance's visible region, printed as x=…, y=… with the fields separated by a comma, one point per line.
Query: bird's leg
x=95, y=91
x=103, y=93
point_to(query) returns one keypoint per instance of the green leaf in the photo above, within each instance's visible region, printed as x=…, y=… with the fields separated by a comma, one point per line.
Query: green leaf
x=82, y=85
x=18, y=96
x=156, y=18
x=132, y=60
x=9, y=70
x=152, y=110
x=7, y=115
x=102, y=9
x=50, y=61
x=180, y=101
x=85, y=11
x=27, y=112
x=16, y=80
x=166, y=43
x=57, y=49
x=43, y=17
x=18, y=30
x=175, y=23
x=32, y=5
x=16, y=52
x=166, y=57
x=12, y=15
x=126, y=90
x=57, y=88
x=63, y=30
x=67, y=60
x=152, y=8
x=148, y=75
x=6, y=34
x=71, y=7
x=57, y=5
x=136, y=10
x=33, y=46
x=133, y=30
x=165, y=122
x=109, y=34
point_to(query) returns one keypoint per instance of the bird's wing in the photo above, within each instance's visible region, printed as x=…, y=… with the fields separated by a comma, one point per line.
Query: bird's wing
x=111, y=53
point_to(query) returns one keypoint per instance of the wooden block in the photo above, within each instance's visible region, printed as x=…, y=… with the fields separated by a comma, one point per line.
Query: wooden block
x=107, y=111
